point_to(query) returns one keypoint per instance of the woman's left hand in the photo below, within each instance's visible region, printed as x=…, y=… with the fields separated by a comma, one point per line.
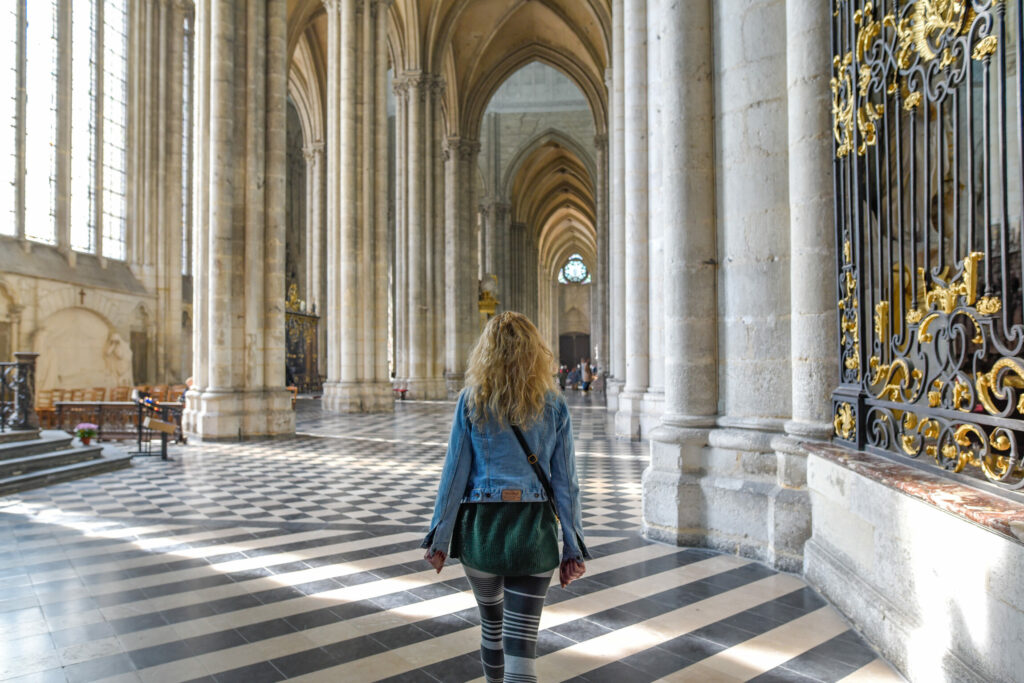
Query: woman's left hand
x=436, y=559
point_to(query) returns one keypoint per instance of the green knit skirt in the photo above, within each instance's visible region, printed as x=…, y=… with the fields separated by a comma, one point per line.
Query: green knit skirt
x=508, y=539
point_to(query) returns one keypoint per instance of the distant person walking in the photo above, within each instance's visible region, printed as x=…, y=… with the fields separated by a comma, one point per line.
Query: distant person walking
x=510, y=465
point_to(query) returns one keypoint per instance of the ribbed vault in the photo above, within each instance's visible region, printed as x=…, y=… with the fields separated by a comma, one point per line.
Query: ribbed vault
x=476, y=44
x=552, y=193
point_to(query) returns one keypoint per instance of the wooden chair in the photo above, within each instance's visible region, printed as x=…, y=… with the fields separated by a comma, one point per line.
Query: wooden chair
x=159, y=392
x=176, y=392
x=78, y=394
x=45, y=408
x=121, y=394
x=96, y=394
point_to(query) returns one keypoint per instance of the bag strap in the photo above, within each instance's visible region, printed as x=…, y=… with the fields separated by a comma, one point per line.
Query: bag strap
x=537, y=469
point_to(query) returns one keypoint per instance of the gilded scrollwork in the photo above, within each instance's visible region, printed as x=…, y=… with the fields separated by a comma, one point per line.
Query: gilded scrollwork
x=842, y=104
x=928, y=278
x=844, y=423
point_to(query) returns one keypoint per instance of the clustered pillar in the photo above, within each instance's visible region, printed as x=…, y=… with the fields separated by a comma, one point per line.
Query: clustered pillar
x=419, y=230
x=155, y=199
x=357, y=369
x=238, y=366
x=460, y=251
x=635, y=280
x=722, y=337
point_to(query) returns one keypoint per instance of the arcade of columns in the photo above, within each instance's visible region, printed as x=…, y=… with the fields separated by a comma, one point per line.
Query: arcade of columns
x=712, y=209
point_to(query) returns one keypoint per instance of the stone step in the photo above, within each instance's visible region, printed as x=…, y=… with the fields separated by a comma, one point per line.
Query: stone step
x=13, y=467
x=18, y=435
x=45, y=442
x=111, y=460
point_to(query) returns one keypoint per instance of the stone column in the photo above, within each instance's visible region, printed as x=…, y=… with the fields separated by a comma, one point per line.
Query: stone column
x=201, y=213
x=240, y=392
x=617, y=222
x=749, y=468
x=401, y=86
x=599, y=303
x=416, y=246
x=503, y=258
x=356, y=235
x=461, y=284
x=658, y=223
x=630, y=409
x=438, y=273
x=812, y=241
x=314, y=155
x=421, y=249
x=381, y=235
x=169, y=228
x=682, y=125
x=488, y=250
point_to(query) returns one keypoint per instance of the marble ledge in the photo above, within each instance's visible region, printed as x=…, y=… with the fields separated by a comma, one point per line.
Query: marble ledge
x=988, y=510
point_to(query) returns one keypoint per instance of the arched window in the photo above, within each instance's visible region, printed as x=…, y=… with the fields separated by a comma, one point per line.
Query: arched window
x=574, y=272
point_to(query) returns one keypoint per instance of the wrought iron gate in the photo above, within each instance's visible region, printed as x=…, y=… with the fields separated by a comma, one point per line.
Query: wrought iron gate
x=926, y=103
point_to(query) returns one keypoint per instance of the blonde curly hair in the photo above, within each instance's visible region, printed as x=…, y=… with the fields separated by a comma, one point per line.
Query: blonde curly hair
x=511, y=370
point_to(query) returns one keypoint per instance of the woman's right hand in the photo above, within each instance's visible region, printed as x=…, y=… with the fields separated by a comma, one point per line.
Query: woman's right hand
x=570, y=570
x=436, y=559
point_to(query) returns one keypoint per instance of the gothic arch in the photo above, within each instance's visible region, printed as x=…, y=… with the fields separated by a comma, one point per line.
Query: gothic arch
x=574, y=69
x=306, y=82
x=551, y=135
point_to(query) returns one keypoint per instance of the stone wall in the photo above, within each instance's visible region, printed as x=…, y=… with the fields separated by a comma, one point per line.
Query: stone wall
x=81, y=319
x=938, y=594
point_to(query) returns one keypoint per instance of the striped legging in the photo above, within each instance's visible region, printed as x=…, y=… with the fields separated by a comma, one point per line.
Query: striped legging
x=510, y=609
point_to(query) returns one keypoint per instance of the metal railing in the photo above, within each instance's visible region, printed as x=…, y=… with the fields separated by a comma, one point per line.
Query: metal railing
x=17, y=393
x=929, y=198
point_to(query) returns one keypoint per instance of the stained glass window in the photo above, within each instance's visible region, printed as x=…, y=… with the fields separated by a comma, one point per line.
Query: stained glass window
x=574, y=271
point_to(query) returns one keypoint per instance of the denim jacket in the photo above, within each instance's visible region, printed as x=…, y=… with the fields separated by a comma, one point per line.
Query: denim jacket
x=483, y=461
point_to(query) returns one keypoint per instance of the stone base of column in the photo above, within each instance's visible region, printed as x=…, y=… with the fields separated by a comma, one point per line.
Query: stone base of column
x=654, y=405
x=225, y=415
x=673, y=502
x=739, y=491
x=426, y=389
x=628, y=417
x=454, y=384
x=613, y=387
x=809, y=431
x=359, y=397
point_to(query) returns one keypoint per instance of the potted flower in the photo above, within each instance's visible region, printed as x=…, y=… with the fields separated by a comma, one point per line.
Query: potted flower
x=85, y=431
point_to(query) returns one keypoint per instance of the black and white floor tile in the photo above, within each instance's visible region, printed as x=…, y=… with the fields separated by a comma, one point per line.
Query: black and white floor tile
x=299, y=559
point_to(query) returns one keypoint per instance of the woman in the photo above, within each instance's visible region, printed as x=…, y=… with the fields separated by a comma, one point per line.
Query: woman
x=493, y=501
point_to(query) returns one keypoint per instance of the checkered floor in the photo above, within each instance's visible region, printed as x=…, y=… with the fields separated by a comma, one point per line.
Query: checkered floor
x=298, y=558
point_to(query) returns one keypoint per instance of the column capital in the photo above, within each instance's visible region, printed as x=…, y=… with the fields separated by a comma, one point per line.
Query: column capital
x=609, y=78
x=437, y=86
x=313, y=151
x=501, y=210
x=601, y=142
x=461, y=148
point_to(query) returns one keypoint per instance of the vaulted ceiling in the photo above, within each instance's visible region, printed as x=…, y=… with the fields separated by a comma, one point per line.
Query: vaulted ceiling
x=553, y=193
x=476, y=44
